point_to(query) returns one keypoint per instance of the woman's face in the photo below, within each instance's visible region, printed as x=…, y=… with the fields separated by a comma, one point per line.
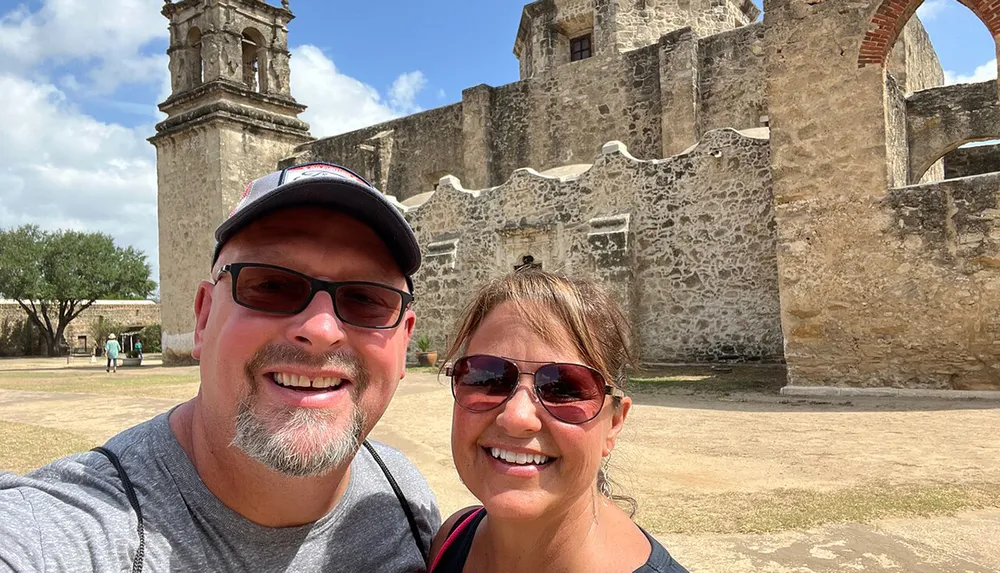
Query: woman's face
x=522, y=426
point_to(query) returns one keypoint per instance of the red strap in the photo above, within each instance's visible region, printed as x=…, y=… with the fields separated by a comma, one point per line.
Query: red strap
x=455, y=534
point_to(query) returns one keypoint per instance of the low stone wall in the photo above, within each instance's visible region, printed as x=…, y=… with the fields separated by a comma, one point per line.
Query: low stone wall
x=687, y=244
x=79, y=334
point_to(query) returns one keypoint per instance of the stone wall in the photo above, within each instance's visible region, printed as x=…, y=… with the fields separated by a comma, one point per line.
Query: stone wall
x=948, y=255
x=657, y=99
x=913, y=61
x=686, y=243
x=968, y=161
x=863, y=301
x=130, y=314
x=731, y=83
x=565, y=117
x=404, y=157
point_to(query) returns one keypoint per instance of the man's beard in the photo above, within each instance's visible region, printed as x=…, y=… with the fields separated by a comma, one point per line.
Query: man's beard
x=274, y=435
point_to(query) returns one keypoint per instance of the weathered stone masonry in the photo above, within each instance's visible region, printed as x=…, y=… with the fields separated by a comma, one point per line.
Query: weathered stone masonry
x=687, y=244
x=826, y=243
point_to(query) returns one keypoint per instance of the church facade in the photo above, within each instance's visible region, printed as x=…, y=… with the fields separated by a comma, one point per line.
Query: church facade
x=788, y=189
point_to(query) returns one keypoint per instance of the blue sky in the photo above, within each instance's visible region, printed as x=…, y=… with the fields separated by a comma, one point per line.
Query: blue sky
x=79, y=86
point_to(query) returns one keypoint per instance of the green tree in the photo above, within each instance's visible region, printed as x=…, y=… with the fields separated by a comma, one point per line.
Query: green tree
x=54, y=276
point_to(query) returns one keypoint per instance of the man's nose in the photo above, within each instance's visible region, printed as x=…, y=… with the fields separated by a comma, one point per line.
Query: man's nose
x=317, y=326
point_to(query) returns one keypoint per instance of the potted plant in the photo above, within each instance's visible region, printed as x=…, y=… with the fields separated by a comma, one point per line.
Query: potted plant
x=425, y=356
x=131, y=359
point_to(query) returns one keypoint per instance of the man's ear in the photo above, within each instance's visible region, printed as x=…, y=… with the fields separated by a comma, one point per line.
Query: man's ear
x=202, y=306
x=409, y=319
x=617, y=423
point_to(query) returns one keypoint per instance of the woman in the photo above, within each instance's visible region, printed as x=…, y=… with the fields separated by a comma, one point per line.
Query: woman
x=540, y=365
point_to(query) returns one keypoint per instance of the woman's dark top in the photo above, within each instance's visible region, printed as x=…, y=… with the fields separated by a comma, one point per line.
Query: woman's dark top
x=453, y=554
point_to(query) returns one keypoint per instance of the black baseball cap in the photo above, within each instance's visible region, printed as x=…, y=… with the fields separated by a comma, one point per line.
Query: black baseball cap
x=331, y=186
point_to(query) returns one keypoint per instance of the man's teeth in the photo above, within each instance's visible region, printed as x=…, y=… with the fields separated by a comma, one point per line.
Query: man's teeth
x=296, y=381
x=518, y=458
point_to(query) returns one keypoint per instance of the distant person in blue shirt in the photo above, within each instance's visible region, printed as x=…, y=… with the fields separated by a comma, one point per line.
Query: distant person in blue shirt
x=112, y=348
x=138, y=349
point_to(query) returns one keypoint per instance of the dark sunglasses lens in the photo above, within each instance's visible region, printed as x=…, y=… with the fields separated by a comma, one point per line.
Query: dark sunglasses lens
x=368, y=305
x=271, y=290
x=481, y=383
x=570, y=392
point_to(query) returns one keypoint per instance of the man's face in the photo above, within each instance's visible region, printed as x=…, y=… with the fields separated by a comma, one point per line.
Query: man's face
x=255, y=365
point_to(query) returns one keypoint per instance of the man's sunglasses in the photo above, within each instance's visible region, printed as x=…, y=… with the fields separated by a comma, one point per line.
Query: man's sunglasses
x=572, y=393
x=274, y=289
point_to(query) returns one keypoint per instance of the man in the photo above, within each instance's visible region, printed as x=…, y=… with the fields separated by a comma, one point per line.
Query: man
x=302, y=336
x=138, y=349
x=112, y=348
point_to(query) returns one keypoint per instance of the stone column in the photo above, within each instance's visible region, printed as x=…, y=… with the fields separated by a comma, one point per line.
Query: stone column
x=679, y=90
x=477, y=132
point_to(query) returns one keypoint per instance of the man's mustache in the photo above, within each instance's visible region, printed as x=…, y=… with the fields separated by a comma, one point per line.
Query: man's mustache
x=353, y=367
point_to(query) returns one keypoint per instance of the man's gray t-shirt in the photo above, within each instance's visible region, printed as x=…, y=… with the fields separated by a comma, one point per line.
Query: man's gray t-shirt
x=73, y=515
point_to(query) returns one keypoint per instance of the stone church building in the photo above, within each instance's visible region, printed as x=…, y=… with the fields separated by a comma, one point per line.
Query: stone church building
x=791, y=188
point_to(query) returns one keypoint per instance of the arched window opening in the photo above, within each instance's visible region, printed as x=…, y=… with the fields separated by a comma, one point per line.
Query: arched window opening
x=928, y=49
x=195, y=61
x=254, y=61
x=973, y=159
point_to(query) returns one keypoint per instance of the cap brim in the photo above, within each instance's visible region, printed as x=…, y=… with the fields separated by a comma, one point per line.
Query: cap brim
x=362, y=203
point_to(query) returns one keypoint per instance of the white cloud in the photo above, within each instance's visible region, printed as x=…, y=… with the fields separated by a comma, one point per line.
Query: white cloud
x=110, y=39
x=405, y=89
x=339, y=103
x=931, y=9
x=985, y=72
x=62, y=169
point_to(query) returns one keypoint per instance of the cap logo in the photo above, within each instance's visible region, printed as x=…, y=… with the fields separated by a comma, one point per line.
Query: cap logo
x=243, y=197
x=320, y=170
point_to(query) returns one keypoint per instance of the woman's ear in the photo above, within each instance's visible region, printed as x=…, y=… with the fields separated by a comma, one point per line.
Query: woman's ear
x=617, y=423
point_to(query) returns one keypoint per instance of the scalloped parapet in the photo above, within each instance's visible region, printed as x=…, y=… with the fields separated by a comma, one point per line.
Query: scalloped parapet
x=687, y=243
x=611, y=148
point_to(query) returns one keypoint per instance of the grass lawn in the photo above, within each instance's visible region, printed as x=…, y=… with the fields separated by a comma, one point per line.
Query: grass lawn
x=26, y=447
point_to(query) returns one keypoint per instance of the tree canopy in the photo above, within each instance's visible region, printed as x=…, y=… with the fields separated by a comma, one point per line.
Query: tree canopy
x=56, y=275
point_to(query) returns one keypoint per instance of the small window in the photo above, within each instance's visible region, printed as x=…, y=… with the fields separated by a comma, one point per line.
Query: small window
x=579, y=48
x=527, y=263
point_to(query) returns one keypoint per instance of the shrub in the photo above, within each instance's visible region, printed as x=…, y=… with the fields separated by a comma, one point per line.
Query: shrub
x=151, y=337
x=423, y=343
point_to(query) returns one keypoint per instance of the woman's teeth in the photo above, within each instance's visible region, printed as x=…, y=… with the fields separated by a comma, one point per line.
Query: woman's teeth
x=518, y=458
x=296, y=381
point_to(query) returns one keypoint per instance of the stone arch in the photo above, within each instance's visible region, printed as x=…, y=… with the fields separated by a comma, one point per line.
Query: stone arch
x=940, y=120
x=194, y=61
x=892, y=15
x=255, y=64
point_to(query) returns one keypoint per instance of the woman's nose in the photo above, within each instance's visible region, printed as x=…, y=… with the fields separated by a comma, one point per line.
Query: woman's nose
x=520, y=415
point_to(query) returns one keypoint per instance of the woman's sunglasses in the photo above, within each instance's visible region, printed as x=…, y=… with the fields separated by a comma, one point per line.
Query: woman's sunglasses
x=572, y=393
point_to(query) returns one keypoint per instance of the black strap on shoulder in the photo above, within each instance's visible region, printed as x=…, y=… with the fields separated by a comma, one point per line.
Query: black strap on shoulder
x=132, y=499
x=402, y=499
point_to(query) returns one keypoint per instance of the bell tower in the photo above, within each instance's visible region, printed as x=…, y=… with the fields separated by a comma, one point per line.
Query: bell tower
x=230, y=119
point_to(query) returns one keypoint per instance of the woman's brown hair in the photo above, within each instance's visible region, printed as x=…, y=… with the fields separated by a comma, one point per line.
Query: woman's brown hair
x=593, y=320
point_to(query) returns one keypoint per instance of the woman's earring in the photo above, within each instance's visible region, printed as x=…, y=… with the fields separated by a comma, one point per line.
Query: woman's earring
x=603, y=483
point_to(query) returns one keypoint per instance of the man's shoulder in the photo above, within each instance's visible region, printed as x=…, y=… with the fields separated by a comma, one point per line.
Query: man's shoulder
x=81, y=474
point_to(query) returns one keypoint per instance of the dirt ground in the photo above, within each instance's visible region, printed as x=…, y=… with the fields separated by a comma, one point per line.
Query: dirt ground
x=730, y=477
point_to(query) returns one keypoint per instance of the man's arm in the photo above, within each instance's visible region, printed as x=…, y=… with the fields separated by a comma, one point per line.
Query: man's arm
x=21, y=549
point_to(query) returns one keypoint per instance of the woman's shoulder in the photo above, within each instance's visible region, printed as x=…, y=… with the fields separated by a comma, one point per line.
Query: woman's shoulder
x=447, y=528
x=659, y=560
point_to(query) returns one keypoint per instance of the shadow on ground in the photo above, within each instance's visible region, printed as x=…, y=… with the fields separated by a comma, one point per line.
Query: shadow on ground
x=756, y=387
